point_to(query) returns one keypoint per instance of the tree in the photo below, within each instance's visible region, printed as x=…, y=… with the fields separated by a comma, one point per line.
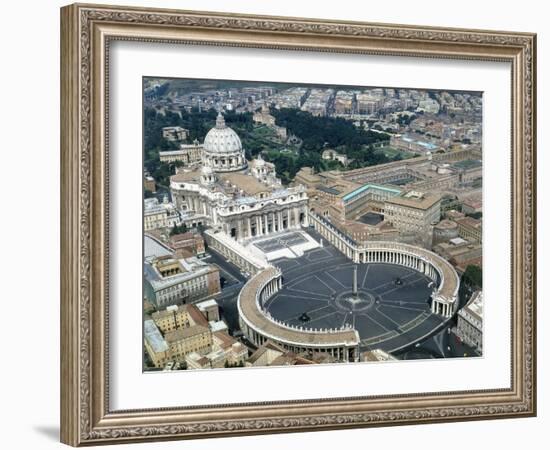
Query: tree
x=178, y=229
x=398, y=157
x=318, y=132
x=473, y=276
x=475, y=215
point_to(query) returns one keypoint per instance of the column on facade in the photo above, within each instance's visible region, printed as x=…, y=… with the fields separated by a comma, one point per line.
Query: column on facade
x=263, y=224
x=272, y=216
x=239, y=230
x=259, y=225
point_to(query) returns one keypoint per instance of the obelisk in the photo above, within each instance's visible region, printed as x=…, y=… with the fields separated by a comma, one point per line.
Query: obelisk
x=355, y=281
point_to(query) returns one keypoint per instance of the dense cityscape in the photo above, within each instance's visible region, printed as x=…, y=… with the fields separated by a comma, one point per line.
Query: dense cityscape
x=293, y=224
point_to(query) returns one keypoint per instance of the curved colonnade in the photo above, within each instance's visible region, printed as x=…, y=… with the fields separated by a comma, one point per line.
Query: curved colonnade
x=259, y=326
x=342, y=343
x=438, y=269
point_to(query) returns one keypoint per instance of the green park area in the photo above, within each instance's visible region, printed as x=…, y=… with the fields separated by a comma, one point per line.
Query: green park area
x=313, y=135
x=394, y=153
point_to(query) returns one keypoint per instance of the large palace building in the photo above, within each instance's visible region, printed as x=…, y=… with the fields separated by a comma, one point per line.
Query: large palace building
x=241, y=198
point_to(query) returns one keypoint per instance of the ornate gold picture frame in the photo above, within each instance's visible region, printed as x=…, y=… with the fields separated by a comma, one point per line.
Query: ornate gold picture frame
x=87, y=31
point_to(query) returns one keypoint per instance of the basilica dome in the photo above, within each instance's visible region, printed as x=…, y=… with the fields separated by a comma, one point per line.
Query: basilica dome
x=222, y=148
x=222, y=139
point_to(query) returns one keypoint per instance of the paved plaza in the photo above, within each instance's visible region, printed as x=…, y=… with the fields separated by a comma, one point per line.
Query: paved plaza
x=281, y=242
x=286, y=244
x=390, y=309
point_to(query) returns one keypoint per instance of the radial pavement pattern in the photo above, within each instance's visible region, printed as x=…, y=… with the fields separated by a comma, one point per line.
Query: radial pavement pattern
x=390, y=310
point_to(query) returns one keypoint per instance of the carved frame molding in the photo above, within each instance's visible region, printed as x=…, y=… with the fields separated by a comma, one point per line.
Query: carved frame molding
x=86, y=31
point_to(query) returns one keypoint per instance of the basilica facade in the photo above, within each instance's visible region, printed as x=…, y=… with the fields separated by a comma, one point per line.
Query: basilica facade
x=244, y=199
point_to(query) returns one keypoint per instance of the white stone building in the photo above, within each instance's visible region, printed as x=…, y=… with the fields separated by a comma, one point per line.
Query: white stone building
x=159, y=215
x=188, y=154
x=413, y=212
x=470, y=322
x=243, y=199
x=175, y=133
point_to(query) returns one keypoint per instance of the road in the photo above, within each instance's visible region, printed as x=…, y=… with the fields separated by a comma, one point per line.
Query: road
x=234, y=281
x=444, y=344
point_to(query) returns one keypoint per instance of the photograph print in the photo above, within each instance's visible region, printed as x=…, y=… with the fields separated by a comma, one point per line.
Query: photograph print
x=292, y=224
